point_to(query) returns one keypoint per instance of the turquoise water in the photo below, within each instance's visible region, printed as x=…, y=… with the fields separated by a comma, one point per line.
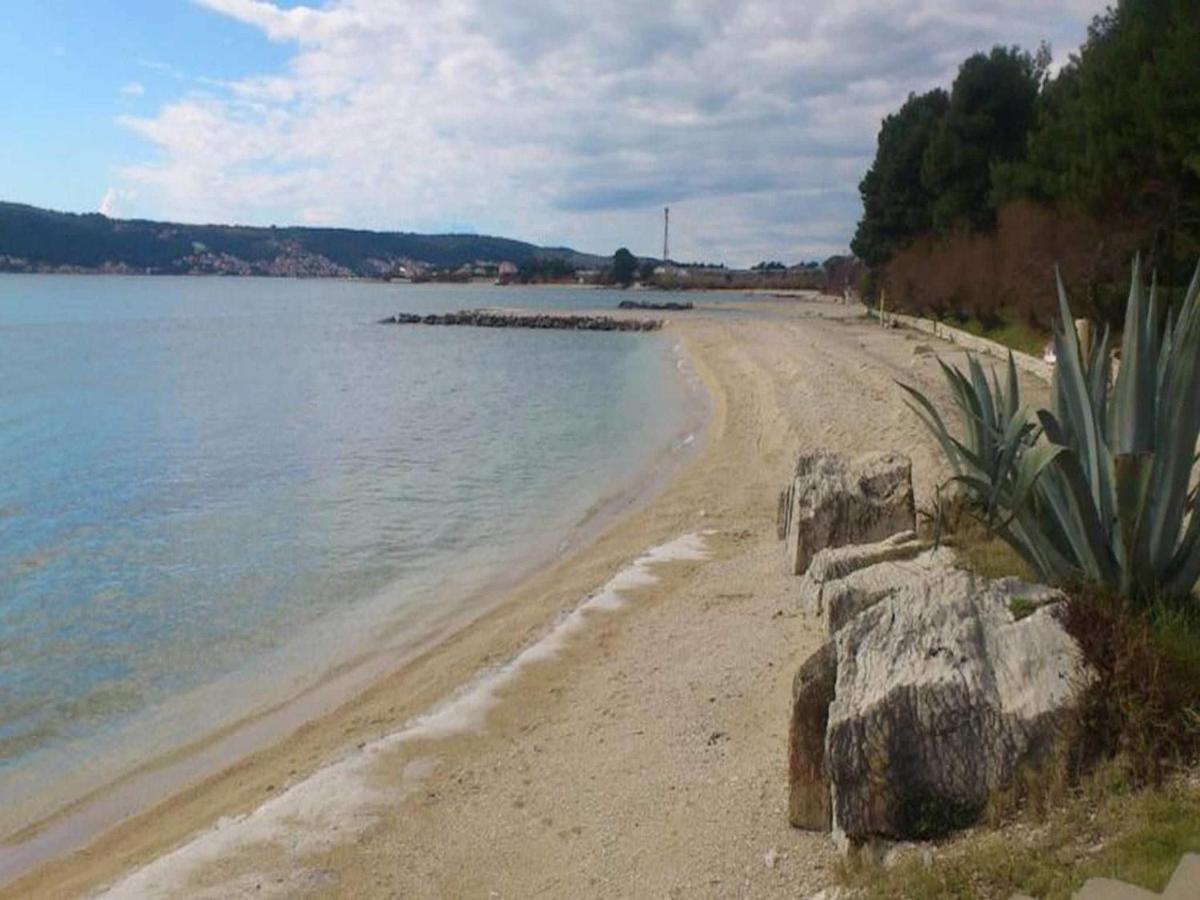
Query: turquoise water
x=212, y=491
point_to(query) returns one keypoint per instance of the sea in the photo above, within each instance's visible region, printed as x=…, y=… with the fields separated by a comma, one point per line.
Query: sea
x=215, y=492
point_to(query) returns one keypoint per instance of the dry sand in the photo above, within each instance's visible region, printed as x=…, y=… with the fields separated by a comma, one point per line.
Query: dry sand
x=638, y=748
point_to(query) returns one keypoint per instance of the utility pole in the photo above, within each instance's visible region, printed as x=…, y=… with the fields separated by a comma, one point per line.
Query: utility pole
x=666, y=233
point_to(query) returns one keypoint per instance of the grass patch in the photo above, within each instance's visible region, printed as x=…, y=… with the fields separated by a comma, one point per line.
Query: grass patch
x=1016, y=335
x=982, y=552
x=1100, y=830
x=1143, y=708
x=1021, y=607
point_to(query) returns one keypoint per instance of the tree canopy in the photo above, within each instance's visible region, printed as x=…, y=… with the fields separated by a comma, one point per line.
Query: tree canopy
x=1115, y=134
x=990, y=113
x=896, y=204
x=624, y=266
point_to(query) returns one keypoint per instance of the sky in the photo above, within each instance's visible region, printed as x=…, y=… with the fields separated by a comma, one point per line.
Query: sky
x=561, y=123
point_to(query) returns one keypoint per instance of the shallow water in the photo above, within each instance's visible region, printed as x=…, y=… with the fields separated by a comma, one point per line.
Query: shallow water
x=213, y=491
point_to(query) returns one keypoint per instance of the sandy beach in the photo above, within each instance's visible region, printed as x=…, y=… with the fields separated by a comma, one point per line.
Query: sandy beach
x=635, y=747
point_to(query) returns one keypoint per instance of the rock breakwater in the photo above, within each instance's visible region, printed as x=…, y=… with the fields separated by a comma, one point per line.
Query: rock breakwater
x=484, y=318
x=641, y=304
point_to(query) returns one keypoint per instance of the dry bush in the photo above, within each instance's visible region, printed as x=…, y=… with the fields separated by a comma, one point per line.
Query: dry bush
x=1142, y=711
x=1007, y=273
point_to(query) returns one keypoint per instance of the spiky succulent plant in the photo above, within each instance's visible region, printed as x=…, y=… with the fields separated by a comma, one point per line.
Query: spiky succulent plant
x=1099, y=486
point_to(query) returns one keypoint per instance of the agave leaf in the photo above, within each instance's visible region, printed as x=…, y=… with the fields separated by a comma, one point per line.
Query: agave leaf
x=970, y=457
x=1099, y=374
x=941, y=435
x=1100, y=484
x=969, y=407
x=1032, y=464
x=978, y=485
x=932, y=420
x=983, y=391
x=1164, y=357
x=998, y=401
x=1076, y=410
x=1134, y=476
x=1013, y=395
x=1073, y=505
x=1134, y=396
x=1178, y=429
x=1027, y=534
x=1184, y=569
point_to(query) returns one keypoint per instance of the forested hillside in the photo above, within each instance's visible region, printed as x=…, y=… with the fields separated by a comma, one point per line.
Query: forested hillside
x=33, y=239
x=976, y=193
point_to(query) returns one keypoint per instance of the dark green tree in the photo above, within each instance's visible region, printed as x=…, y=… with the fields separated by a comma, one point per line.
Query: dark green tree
x=624, y=267
x=989, y=118
x=1118, y=131
x=1139, y=114
x=896, y=204
x=1055, y=146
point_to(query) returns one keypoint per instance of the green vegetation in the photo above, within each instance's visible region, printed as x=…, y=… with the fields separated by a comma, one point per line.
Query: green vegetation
x=1097, y=488
x=624, y=267
x=897, y=206
x=1099, y=828
x=989, y=115
x=1015, y=334
x=1140, y=717
x=1021, y=607
x=1094, y=495
x=39, y=239
x=1111, y=139
x=1118, y=129
x=542, y=269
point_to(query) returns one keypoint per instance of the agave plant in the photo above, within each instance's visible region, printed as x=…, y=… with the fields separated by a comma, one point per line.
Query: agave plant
x=999, y=457
x=1099, y=487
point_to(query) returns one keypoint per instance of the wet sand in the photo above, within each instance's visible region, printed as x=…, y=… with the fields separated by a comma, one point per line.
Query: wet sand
x=633, y=748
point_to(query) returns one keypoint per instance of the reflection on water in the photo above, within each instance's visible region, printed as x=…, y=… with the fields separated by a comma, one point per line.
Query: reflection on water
x=214, y=489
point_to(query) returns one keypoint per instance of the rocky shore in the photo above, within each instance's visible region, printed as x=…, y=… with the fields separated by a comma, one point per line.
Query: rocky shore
x=483, y=318
x=936, y=687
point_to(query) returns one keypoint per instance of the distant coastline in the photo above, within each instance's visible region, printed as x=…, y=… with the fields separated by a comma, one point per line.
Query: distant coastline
x=38, y=241
x=42, y=241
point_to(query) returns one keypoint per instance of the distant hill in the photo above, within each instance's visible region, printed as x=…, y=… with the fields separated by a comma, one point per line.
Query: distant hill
x=40, y=240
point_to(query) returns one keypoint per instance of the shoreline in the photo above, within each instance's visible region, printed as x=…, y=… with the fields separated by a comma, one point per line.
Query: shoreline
x=70, y=827
x=793, y=378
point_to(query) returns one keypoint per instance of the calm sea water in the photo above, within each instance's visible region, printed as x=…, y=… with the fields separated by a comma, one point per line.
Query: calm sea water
x=214, y=490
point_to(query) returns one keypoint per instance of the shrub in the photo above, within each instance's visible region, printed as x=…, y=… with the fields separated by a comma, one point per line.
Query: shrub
x=1097, y=488
x=1143, y=707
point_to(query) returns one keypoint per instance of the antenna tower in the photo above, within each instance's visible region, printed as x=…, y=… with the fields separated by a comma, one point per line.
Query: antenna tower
x=666, y=232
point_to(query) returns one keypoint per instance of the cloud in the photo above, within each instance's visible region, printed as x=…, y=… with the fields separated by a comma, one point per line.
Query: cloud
x=113, y=202
x=753, y=120
x=108, y=203
x=133, y=89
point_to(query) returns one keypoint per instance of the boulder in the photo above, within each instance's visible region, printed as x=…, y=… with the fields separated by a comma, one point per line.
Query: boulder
x=942, y=692
x=931, y=573
x=934, y=689
x=843, y=581
x=812, y=692
x=835, y=500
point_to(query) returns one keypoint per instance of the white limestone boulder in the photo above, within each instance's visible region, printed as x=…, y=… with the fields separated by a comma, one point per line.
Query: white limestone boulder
x=835, y=500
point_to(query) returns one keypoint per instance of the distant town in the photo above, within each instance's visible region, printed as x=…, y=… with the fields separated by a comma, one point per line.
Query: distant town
x=34, y=240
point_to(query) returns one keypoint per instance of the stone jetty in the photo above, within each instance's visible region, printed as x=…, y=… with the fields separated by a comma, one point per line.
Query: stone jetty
x=644, y=304
x=489, y=318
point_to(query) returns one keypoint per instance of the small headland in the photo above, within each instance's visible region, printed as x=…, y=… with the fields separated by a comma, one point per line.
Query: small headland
x=483, y=318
